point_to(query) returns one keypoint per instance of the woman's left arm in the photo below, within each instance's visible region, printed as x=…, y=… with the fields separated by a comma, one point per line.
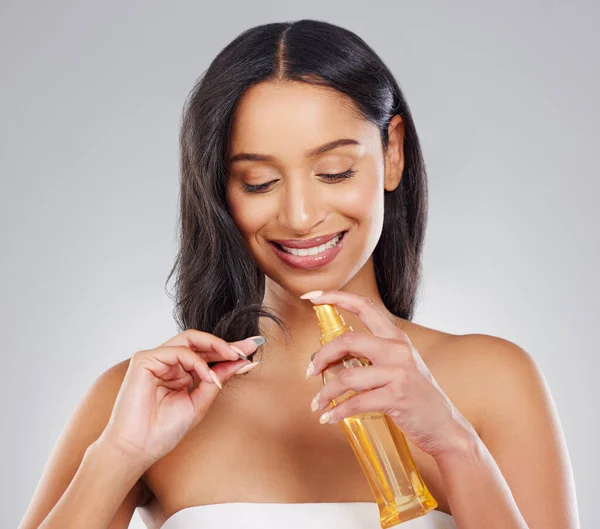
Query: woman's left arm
x=518, y=473
x=515, y=475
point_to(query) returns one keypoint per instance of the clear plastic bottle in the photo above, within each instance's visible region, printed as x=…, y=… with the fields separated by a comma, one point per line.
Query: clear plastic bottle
x=378, y=443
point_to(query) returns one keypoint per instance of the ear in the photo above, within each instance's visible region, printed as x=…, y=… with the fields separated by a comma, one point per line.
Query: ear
x=394, y=157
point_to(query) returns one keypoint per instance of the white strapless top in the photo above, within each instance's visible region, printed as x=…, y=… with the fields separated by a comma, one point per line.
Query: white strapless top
x=343, y=515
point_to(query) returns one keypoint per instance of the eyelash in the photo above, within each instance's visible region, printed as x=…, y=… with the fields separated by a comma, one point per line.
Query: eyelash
x=333, y=177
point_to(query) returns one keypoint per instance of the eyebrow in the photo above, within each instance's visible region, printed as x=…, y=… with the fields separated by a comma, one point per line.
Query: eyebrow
x=254, y=157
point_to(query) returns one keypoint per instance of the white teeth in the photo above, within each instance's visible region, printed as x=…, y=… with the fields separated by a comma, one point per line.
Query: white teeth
x=315, y=249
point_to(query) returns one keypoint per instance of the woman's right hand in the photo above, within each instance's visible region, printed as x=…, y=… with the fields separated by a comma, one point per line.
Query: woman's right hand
x=154, y=410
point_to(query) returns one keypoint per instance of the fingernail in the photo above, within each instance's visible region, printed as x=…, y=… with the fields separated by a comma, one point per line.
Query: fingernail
x=312, y=357
x=310, y=370
x=324, y=418
x=216, y=379
x=258, y=340
x=314, y=405
x=312, y=294
x=239, y=352
x=246, y=368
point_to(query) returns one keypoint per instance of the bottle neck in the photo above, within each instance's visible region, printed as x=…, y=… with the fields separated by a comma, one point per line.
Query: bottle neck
x=332, y=332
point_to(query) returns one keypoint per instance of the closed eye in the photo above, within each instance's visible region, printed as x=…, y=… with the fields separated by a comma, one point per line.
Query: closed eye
x=258, y=188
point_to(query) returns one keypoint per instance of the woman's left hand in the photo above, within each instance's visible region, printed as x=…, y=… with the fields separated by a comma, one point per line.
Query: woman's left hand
x=398, y=383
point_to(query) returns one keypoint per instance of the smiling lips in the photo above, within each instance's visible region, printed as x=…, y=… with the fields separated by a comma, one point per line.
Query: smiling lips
x=308, y=243
x=311, y=253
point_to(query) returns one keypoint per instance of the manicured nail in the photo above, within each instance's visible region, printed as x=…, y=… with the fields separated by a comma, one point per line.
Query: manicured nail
x=310, y=370
x=312, y=357
x=258, y=340
x=324, y=418
x=314, y=405
x=215, y=378
x=239, y=352
x=312, y=294
x=246, y=368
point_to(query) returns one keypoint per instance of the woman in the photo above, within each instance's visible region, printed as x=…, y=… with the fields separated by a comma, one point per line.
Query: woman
x=302, y=172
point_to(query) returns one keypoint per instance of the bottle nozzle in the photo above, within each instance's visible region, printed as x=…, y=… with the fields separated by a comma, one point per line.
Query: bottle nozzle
x=331, y=322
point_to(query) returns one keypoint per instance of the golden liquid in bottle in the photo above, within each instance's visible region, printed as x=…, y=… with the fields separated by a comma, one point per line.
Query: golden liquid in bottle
x=379, y=445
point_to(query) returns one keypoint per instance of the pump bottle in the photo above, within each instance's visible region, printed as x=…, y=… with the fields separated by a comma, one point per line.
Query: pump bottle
x=377, y=442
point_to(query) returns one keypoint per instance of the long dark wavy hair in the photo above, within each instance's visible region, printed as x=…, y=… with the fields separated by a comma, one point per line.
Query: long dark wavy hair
x=219, y=288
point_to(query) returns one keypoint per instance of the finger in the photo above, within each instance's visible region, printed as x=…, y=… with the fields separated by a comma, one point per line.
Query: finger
x=369, y=401
x=247, y=346
x=369, y=313
x=162, y=360
x=210, y=346
x=185, y=380
x=246, y=349
x=354, y=379
x=378, y=350
x=204, y=394
x=202, y=398
x=225, y=370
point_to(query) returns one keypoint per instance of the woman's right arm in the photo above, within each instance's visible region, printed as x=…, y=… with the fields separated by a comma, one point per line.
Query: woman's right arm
x=134, y=414
x=103, y=494
x=86, y=483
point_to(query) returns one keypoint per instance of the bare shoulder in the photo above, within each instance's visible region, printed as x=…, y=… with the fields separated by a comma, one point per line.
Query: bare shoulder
x=479, y=357
x=494, y=366
x=490, y=358
x=110, y=381
x=511, y=407
x=95, y=407
x=98, y=402
x=508, y=384
x=85, y=425
x=474, y=347
x=483, y=373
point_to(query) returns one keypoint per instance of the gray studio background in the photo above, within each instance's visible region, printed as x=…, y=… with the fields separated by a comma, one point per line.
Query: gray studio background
x=505, y=98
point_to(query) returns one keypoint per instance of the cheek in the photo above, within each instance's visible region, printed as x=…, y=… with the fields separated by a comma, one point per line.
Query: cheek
x=364, y=202
x=247, y=215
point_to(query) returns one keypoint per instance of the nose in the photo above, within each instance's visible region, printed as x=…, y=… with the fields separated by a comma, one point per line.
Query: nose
x=301, y=205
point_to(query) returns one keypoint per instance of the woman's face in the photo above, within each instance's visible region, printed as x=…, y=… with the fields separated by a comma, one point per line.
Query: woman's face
x=280, y=194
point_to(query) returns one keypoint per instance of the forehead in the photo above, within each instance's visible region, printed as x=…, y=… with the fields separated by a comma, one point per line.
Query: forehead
x=291, y=117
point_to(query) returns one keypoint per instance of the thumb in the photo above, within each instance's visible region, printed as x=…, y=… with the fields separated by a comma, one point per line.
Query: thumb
x=202, y=398
x=205, y=393
x=249, y=346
